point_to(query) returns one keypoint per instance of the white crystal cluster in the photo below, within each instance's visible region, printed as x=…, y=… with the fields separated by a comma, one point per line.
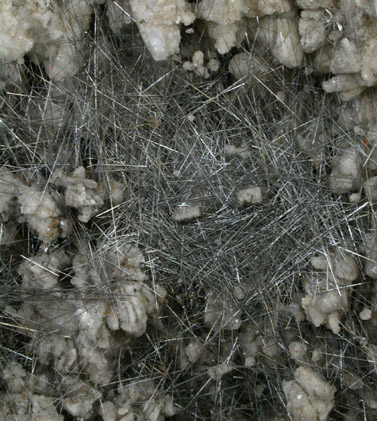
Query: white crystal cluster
x=43, y=208
x=50, y=32
x=42, y=272
x=110, y=302
x=346, y=170
x=27, y=396
x=228, y=21
x=328, y=289
x=199, y=67
x=32, y=397
x=350, y=163
x=159, y=24
x=252, y=195
x=323, y=36
x=73, y=331
x=138, y=401
x=82, y=331
x=81, y=193
x=309, y=397
x=186, y=212
x=32, y=204
x=339, y=37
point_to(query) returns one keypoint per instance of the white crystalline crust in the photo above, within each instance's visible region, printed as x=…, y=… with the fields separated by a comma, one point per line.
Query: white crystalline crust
x=91, y=323
x=15, y=376
x=37, y=407
x=227, y=21
x=328, y=290
x=49, y=31
x=42, y=210
x=159, y=23
x=79, y=397
x=312, y=30
x=370, y=188
x=282, y=36
x=366, y=314
x=191, y=353
x=42, y=272
x=297, y=350
x=83, y=333
x=9, y=187
x=288, y=36
x=18, y=396
x=308, y=396
x=342, y=41
x=252, y=195
x=33, y=205
x=81, y=193
x=186, y=212
x=353, y=59
x=138, y=401
x=198, y=67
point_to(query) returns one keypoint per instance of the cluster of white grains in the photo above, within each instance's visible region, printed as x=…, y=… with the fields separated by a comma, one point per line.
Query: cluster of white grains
x=188, y=210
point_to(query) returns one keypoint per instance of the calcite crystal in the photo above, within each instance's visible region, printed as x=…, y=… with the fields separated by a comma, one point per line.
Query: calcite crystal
x=309, y=397
x=159, y=24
